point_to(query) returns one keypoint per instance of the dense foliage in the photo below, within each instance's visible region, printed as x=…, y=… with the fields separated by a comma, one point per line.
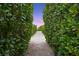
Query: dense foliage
x=41, y=28
x=62, y=28
x=34, y=29
x=15, y=28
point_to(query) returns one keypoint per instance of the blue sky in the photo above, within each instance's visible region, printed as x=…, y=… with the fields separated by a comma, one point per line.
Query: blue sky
x=38, y=13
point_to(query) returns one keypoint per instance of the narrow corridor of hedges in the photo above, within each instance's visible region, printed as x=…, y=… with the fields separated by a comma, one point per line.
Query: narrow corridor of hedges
x=15, y=28
x=62, y=28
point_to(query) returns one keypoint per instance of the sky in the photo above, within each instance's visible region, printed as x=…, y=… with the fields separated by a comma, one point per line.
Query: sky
x=38, y=14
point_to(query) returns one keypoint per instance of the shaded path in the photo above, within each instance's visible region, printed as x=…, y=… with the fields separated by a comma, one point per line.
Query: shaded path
x=38, y=46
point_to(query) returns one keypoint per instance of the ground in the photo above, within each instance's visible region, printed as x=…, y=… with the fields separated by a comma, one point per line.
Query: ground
x=38, y=46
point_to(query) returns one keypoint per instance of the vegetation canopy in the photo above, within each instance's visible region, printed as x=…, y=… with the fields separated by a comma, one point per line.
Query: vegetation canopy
x=15, y=28
x=62, y=28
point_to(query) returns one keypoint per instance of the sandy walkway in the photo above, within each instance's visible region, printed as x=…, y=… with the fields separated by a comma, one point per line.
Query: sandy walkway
x=38, y=46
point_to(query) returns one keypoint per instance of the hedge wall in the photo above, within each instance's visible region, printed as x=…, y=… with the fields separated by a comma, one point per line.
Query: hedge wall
x=62, y=28
x=34, y=29
x=41, y=28
x=15, y=28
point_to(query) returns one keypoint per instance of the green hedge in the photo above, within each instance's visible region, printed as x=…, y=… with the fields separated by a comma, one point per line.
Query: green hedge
x=15, y=28
x=41, y=28
x=62, y=28
x=34, y=29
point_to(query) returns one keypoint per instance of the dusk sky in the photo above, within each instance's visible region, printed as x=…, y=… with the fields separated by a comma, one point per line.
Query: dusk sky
x=38, y=13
